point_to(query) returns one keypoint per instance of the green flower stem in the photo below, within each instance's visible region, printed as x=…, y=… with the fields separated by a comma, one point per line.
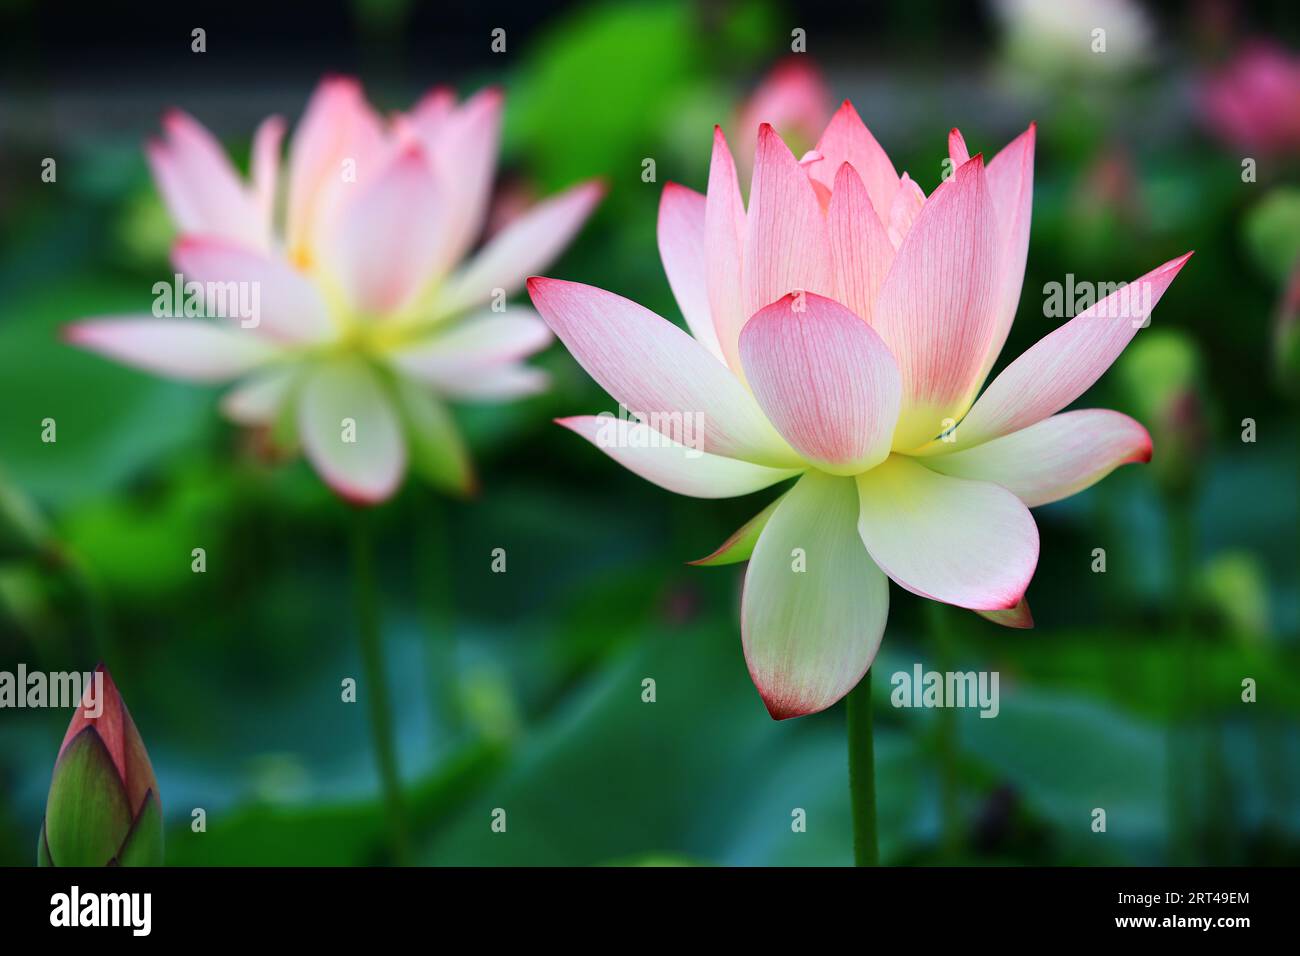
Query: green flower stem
x=862, y=774
x=375, y=683
x=946, y=732
x=1182, y=765
x=432, y=583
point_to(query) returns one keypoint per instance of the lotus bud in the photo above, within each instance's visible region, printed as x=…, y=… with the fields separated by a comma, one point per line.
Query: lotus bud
x=103, y=808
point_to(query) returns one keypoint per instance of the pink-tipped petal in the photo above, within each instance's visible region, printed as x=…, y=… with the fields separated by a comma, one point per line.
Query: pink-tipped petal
x=191, y=350
x=787, y=246
x=351, y=432
x=724, y=233
x=815, y=604
x=655, y=368
x=523, y=247
x=1018, y=617
x=969, y=543
x=202, y=191
x=847, y=140
x=288, y=306
x=957, y=150
x=337, y=148
x=825, y=380
x=684, y=251
x=935, y=309
x=861, y=252
x=464, y=152
x=1011, y=189
x=1065, y=363
x=680, y=467
x=1052, y=459
x=389, y=236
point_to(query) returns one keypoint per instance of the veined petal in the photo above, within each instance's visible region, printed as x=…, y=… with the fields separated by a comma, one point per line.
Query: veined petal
x=724, y=234
x=670, y=464
x=191, y=350
x=684, y=251
x=740, y=545
x=969, y=543
x=825, y=380
x=287, y=304
x=787, y=246
x=861, y=252
x=903, y=210
x=350, y=431
x=1063, y=365
x=815, y=604
x=1011, y=190
x=957, y=150
x=1052, y=459
x=654, y=368
x=524, y=246
x=847, y=140
x=489, y=338
x=389, y=235
x=935, y=309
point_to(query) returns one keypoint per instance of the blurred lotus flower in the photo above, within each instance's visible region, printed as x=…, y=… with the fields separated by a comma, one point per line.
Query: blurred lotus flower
x=794, y=100
x=1059, y=39
x=1253, y=102
x=103, y=807
x=842, y=325
x=356, y=308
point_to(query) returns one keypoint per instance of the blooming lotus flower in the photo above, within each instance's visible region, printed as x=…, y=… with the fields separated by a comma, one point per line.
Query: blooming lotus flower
x=1253, y=102
x=103, y=807
x=841, y=326
x=368, y=313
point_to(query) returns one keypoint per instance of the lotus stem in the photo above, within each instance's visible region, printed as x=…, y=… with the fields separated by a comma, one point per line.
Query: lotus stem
x=375, y=684
x=862, y=774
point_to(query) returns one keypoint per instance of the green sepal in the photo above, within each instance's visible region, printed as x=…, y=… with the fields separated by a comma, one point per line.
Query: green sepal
x=86, y=816
x=438, y=453
x=144, y=844
x=740, y=545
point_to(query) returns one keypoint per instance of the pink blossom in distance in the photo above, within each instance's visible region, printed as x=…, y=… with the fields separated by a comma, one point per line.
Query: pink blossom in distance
x=372, y=308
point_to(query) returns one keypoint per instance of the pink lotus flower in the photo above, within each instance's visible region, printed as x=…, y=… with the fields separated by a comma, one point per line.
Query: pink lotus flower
x=793, y=99
x=1253, y=103
x=365, y=315
x=842, y=325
